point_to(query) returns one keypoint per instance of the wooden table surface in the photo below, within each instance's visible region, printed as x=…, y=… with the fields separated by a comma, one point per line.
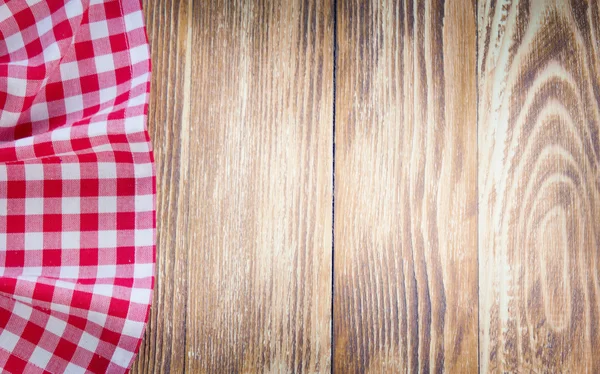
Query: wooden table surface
x=375, y=186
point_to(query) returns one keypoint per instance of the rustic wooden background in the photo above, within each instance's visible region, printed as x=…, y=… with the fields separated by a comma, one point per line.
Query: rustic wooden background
x=375, y=186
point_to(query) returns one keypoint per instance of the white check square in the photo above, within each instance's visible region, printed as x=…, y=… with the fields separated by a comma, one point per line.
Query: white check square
x=107, y=239
x=144, y=237
x=70, y=239
x=134, y=21
x=104, y=63
x=99, y=30
x=16, y=86
x=108, y=94
x=34, y=241
x=8, y=340
x=34, y=206
x=88, y=342
x=69, y=272
x=14, y=42
x=51, y=52
x=40, y=357
x=44, y=25
x=70, y=171
x=39, y=112
x=34, y=172
x=71, y=205
x=139, y=54
x=122, y=355
x=69, y=70
x=107, y=170
x=107, y=204
x=56, y=326
x=74, y=104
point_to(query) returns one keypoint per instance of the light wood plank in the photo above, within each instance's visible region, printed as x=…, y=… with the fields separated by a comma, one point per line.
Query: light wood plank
x=405, y=187
x=242, y=120
x=539, y=186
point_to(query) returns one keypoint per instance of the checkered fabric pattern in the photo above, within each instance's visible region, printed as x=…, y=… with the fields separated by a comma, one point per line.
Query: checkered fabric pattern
x=77, y=185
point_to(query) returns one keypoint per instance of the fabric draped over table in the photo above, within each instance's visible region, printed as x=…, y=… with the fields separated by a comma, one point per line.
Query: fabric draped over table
x=77, y=185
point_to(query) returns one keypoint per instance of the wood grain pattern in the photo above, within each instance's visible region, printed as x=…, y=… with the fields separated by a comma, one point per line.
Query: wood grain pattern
x=467, y=186
x=241, y=117
x=405, y=288
x=162, y=350
x=539, y=185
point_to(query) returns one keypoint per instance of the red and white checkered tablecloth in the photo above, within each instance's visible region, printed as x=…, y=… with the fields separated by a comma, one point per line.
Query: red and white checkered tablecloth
x=77, y=185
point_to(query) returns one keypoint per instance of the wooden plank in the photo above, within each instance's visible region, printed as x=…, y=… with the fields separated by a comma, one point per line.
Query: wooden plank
x=539, y=185
x=405, y=277
x=242, y=116
x=167, y=25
